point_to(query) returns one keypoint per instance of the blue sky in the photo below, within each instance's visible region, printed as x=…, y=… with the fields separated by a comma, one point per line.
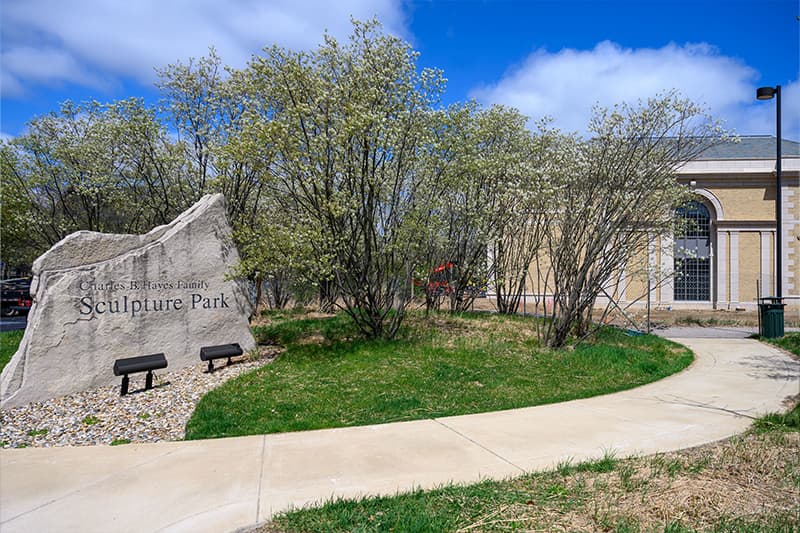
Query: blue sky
x=545, y=57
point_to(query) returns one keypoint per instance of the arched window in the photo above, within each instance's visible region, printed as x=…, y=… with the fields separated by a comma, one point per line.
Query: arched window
x=693, y=253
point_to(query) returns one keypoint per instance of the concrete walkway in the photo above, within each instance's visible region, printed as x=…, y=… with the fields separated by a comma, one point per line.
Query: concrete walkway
x=715, y=332
x=712, y=332
x=227, y=484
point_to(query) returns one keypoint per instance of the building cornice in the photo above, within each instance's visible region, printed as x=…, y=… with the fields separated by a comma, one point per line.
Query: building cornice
x=790, y=166
x=712, y=181
x=745, y=225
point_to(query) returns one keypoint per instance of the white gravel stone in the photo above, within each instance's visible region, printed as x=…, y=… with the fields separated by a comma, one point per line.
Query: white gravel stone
x=102, y=416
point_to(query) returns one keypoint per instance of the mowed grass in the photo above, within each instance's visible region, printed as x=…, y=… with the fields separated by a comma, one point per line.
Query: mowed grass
x=746, y=484
x=9, y=341
x=440, y=366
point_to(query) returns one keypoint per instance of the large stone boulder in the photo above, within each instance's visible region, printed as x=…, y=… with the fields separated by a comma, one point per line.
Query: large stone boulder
x=100, y=297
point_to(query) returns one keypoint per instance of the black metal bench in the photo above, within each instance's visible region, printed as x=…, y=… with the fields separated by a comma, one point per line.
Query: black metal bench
x=209, y=353
x=131, y=365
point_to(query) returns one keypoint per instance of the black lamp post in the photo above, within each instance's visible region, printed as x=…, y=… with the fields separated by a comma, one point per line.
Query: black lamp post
x=766, y=93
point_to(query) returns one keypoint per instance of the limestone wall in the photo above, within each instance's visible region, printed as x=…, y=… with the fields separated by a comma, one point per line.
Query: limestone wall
x=753, y=201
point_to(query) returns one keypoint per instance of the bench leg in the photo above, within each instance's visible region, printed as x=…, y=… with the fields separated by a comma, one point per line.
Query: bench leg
x=148, y=380
x=124, y=389
x=229, y=361
x=210, y=365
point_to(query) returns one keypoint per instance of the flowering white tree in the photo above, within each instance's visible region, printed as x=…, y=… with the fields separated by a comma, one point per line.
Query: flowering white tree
x=617, y=193
x=91, y=166
x=490, y=170
x=347, y=124
x=526, y=207
x=204, y=104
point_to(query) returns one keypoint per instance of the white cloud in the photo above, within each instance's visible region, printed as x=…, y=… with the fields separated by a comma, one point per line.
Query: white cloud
x=760, y=117
x=790, y=101
x=42, y=65
x=94, y=41
x=566, y=84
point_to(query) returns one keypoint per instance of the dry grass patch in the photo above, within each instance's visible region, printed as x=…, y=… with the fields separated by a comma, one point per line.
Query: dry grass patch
x=475, y=327
x=675, y=317
x=749, y=483
x=752, y=477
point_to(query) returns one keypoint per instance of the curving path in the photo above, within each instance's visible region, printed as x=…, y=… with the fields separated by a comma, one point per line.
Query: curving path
x=227, y=484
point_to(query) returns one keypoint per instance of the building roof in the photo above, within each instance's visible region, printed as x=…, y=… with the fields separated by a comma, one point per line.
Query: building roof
x=751, y=147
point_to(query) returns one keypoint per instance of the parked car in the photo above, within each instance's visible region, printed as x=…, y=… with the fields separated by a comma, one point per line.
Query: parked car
x=15, y=296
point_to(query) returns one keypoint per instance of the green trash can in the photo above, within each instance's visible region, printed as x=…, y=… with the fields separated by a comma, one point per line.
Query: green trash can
x=770, y=312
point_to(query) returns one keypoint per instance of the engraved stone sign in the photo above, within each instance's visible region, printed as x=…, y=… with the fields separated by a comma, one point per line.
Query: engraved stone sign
x=100, y=297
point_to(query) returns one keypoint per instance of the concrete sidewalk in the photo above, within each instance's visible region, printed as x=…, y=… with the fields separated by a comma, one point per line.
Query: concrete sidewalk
x=226, y=484
x=711, y=332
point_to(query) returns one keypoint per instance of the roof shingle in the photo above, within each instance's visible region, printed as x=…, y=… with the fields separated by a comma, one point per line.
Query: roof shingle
x=752, y=147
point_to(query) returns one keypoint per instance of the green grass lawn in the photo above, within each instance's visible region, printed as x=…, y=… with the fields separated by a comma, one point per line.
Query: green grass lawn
x=329, y=377
x=9, y=341
x=746, y=484
x=789, y=342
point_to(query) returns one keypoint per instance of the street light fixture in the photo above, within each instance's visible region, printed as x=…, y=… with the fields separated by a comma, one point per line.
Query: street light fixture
x=767, y=93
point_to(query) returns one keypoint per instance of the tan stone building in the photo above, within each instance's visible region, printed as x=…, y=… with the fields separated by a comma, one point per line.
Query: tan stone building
x=731, y=259
x=727, y=260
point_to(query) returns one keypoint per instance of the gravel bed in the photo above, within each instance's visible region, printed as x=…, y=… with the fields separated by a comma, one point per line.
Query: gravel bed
x=102, y=416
